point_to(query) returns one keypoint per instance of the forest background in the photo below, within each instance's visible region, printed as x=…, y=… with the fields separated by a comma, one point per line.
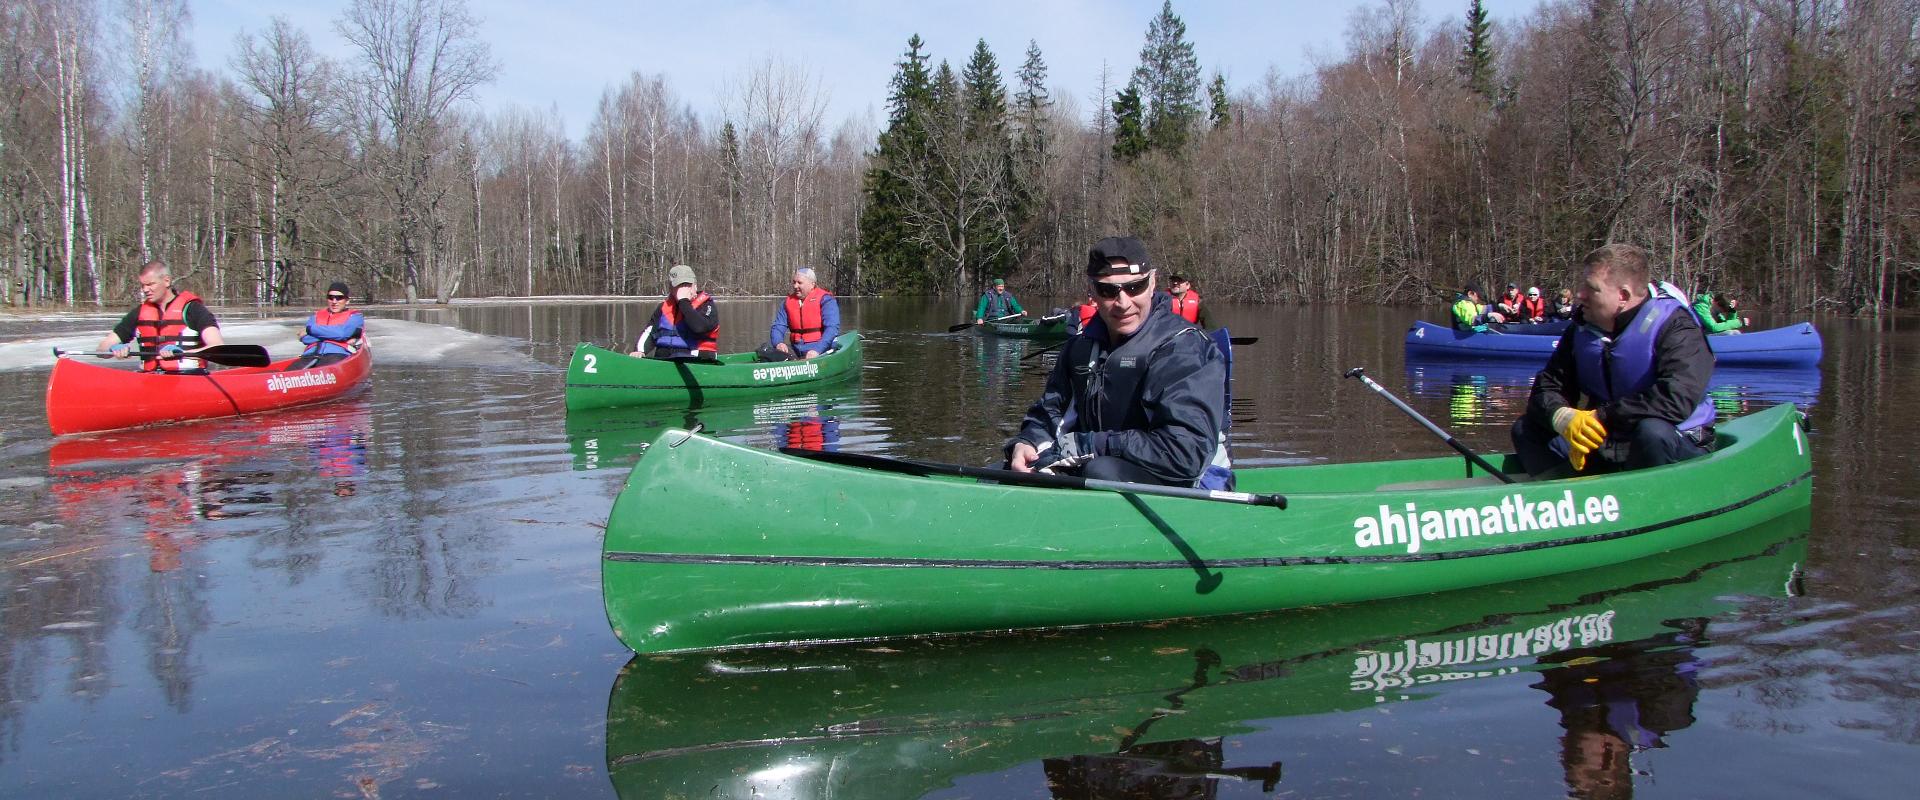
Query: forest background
x=1766, y=147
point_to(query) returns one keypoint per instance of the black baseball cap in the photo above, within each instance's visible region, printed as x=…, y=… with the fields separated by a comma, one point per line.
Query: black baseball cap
x=1100, y=258
x=339, y=286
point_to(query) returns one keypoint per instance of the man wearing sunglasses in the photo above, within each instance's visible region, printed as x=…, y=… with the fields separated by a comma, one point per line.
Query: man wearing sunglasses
x=334, y=332
x=1139, y=395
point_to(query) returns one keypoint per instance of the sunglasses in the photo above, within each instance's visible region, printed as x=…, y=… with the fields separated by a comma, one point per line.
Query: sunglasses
x=1112, y=290
x=336, y=297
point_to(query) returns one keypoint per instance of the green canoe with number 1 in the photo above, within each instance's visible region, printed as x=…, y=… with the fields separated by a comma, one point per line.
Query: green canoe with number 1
x=602, y=378
x=794, y=550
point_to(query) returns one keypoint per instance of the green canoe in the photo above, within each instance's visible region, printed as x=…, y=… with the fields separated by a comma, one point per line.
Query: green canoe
x=792, y=550
x=915, y=717
x=1043, y=328
x=601, y=378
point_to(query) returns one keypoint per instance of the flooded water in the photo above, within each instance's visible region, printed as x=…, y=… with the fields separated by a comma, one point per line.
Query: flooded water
x=398, y=594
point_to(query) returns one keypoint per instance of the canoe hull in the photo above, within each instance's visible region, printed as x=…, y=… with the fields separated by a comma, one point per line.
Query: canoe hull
x=1043, y=331
x=1793, y=345
x=602, y=378
x=846, y=554
x=83, y=397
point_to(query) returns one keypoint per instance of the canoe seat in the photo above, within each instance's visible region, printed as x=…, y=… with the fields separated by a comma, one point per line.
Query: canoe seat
x=1450, y=483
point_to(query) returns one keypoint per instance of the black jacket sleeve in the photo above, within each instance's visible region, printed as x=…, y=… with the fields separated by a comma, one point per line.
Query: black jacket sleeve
x=198, y=317
x=125, y=327
x=1043, y=418
x=698, y=322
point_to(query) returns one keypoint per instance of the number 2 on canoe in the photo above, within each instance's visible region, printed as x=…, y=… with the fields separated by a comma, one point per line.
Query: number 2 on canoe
x=591, y=361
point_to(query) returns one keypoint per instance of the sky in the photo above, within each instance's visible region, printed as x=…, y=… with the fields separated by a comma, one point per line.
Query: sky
x=564, y=54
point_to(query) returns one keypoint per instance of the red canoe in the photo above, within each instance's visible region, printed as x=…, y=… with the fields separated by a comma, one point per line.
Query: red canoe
x=85, y=397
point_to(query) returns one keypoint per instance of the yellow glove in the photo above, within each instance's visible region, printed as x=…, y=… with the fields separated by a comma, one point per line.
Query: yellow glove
x=1583, y=431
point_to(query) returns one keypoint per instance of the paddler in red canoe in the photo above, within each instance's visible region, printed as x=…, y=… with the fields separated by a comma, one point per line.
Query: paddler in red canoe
x=167, y=325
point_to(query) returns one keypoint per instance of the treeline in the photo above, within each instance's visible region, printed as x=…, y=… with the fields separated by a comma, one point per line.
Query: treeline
x=1764, y=146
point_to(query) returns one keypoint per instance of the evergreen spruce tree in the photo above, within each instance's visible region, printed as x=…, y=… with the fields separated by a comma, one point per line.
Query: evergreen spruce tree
x=1032, y=155
x=889, y=251
x=1476, y=55
x=1167, y=82
x=1220, y=109
x=1129, y=130
x=991, y=216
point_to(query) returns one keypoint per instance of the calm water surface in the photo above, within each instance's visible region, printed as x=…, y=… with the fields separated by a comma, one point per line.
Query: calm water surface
x=398, y=594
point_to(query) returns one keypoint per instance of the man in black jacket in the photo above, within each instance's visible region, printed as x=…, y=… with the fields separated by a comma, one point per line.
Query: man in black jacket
x=1138, y=396
x=1627, y=382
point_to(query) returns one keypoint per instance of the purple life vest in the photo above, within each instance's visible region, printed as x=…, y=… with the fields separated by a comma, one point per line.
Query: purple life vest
x=1614, y=368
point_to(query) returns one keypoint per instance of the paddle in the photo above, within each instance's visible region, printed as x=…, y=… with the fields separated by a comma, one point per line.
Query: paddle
x=1361, y=373
x=1237, y=341
x=965, y=325
x=923, y=468
x=229, y=355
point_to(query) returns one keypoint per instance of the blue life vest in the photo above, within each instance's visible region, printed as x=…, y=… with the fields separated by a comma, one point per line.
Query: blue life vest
x=667, y=335
x=1614, y=368
x=998, y=304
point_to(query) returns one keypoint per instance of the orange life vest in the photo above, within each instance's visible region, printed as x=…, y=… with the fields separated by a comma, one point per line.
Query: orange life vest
x=803, y=317
x=158, y=327
x=1187, y=306
x=1531, y=307
x=670, y=336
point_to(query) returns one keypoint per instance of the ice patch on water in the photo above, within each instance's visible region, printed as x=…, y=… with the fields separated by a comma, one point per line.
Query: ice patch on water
x=394, y=341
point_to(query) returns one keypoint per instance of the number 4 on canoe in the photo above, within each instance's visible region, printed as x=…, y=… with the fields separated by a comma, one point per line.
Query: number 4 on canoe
x=231, y=355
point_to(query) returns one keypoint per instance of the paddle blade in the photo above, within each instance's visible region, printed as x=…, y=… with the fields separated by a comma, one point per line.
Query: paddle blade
x=234, y=355
x=960, y=327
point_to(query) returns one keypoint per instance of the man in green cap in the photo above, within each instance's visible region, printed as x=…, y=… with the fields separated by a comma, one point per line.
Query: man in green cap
x=997, y=303
x=686, y=327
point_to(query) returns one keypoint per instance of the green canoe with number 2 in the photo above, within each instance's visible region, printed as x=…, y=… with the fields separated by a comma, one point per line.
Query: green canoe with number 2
x=793, y=550
x=602, y=378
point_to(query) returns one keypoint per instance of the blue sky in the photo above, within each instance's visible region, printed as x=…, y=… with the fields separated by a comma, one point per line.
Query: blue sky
x=566, y=52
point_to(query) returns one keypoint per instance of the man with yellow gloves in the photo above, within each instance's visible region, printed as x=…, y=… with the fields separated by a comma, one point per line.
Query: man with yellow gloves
x=1626, y=386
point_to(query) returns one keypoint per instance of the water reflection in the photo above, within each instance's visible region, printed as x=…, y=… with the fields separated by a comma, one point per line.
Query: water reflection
x=614, y=438
x=1492, y=394
x=1142, y=711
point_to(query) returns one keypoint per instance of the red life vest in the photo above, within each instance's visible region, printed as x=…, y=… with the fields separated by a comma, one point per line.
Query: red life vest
x=1087, y=310
x=671, y=337
x=158, y=327
x=803, y=317
x=328, y=317
x=1187, y=306
x=1531, y=307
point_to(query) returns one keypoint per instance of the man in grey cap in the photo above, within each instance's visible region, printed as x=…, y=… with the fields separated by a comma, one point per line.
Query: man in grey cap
x=1139, y=395
x=686, y=326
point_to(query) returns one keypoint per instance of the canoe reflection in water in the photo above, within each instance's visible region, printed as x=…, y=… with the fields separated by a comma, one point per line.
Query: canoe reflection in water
x=172, y=479
x=607, y=438
x=1184, y=709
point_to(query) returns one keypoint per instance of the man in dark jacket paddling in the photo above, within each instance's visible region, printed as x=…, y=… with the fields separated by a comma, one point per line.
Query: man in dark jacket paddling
x=1626, y=386
x=1140, y=395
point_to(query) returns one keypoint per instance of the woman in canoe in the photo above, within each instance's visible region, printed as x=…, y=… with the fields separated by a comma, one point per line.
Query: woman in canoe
x=686, y=326
x=1630, y=395
x=334, y=332
x=166, y=323
x=1140, y=396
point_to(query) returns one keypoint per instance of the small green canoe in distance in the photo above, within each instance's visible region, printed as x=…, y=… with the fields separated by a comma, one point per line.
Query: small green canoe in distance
x=793, y=550
x=602, y=378
x=1044, y=328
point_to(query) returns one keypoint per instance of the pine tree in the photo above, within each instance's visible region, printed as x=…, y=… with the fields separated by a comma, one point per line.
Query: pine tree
x=1129, y=131
x=1476, y=55
x=1220, y=109
x=1167, y=82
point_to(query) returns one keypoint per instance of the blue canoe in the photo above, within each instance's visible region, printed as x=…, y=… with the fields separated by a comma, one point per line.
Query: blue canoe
x=1793, y=345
